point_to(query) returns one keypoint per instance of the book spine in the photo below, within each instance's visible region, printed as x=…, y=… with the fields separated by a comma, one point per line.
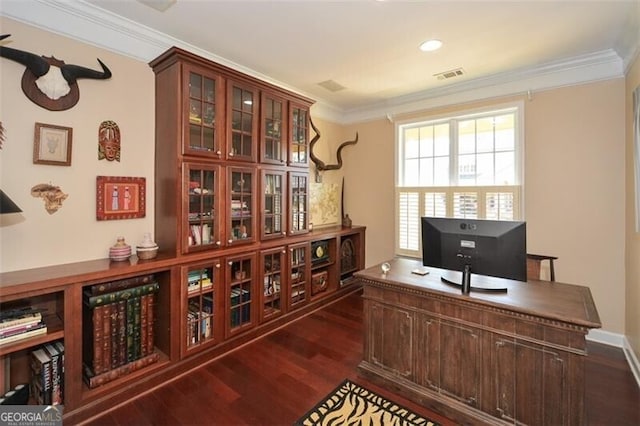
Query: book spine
x=136, y=327
x=97, y=339
x=122, y=333
x=130, y=323
x=111, y=286
x=107, y=298
x=144, y=324
x=150, y=320
x=96, y=380
x=36, y=331
x=60, y=346
x=106, y=338
x=12, y=322
x=56, y=396
x=113, y=317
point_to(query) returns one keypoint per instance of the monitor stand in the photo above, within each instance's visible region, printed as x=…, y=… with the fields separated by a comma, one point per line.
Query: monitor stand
x=453, y=278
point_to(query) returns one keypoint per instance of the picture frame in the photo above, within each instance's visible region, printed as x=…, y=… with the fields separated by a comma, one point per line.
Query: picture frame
x=119, y=197
x=636, y=152
x=52, y=144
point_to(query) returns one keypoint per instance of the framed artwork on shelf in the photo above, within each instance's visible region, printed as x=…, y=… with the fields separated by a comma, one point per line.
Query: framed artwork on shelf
x=120, y=197
x=52, y=145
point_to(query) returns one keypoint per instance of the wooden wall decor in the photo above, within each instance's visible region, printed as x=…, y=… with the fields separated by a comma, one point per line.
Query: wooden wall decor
x=109, y=141
x=49, y=82
x=51, y=195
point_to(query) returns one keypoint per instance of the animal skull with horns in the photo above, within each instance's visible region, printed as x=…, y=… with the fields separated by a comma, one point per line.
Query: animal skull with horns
x=49, y=82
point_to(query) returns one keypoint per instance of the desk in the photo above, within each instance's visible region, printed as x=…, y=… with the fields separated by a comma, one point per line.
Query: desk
x=494, y=358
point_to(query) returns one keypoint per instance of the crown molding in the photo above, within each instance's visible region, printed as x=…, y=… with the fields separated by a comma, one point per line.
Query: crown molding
x=87, y=23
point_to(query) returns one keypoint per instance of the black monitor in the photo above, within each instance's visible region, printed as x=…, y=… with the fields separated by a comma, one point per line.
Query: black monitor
x=496, y=248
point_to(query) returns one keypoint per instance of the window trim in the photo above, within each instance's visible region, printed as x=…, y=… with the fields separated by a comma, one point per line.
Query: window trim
x=453, y=117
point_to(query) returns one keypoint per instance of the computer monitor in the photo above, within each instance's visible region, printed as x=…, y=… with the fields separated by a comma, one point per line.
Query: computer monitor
x=495, y=248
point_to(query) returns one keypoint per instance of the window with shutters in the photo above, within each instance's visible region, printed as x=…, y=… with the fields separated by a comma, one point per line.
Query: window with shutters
x=464, y=166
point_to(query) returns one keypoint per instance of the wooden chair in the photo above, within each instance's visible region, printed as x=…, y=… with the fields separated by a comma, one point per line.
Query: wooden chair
x=534, y=262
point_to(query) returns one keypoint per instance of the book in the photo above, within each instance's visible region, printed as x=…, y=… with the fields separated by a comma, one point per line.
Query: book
x=60, y=346
x=56, y=372
x=121, y=339
x=106, y=337
x=111, y=286
x=92, y=301
x=12, y=321
x=93, y=380
x=151, y=316
x=41, y=376
x=36, y=331
x=20, y=328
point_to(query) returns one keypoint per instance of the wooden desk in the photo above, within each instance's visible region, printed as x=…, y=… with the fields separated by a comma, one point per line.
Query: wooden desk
x=493, y=358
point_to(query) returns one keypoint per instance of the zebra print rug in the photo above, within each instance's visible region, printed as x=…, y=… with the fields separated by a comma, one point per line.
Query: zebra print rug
x=351, y=404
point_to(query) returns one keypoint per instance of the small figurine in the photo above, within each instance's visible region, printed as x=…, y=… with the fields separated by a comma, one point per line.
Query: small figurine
x=346, y=221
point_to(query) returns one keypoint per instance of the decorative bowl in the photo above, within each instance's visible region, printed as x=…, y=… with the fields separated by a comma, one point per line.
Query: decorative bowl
x=146, y=253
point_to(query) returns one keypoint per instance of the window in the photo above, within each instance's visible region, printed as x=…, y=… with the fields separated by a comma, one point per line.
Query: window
x=465, y=166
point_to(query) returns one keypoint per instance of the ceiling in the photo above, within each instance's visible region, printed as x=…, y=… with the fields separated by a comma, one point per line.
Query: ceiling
x=370, y=47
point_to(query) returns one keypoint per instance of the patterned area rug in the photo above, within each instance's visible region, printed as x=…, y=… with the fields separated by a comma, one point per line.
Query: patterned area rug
x=351, y=404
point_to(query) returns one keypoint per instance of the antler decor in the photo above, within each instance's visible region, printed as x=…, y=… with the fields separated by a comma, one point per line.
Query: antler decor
x=320, y=165
x=49, y=82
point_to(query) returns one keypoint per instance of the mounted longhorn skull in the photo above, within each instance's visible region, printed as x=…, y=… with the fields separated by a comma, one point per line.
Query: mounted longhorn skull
x=320, y=165
x=49, y=82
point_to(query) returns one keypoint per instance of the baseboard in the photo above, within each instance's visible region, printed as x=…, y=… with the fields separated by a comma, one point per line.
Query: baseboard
x=632, y=359
x=620, y=341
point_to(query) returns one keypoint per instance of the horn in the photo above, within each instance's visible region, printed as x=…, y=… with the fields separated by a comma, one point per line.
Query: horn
x=36, y=64
x=320, y=165
x=73, y=72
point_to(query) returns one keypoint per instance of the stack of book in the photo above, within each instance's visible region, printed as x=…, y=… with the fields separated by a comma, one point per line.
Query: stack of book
x=198, y=279
x=118, y=335
x=47, y=374
x=18, y=324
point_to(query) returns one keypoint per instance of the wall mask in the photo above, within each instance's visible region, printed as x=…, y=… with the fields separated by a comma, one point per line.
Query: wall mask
x=109, y=141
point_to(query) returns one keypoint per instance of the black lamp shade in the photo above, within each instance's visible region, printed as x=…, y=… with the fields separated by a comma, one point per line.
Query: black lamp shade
x=7, y=205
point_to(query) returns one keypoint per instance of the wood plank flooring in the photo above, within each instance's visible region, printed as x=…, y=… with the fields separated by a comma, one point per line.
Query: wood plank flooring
x=277, y=378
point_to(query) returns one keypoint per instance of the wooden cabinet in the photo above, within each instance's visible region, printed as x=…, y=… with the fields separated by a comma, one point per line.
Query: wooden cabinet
x=202, y=295
x=298, y=203
x=299, y=135
x=202, y=207
x=231, y=220
x=299, y=278
x=273, y=131
x=479, y=358
x=241, y=205
x=242, y=126
x=273, y=207
x=202, y=111
x=272, y=282
x=241, y=296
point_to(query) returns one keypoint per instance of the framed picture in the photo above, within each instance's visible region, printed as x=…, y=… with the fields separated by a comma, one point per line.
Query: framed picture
x=52, y=145
x=120, y=197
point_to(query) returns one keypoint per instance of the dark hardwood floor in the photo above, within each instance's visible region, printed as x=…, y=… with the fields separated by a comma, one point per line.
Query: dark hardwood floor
x=278, y=378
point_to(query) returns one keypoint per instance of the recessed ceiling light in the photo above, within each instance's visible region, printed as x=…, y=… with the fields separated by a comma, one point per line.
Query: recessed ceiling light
x=431, y=45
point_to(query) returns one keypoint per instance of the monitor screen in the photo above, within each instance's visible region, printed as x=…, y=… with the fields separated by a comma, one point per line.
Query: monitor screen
x=495, y=248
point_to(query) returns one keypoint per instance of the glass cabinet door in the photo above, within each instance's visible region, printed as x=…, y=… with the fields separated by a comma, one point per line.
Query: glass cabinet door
x=298, y=275
x=242, y=219
x=299, y=199
x=201, y=286
x=240, y=273
x=242, y=113
x=273, y=130
x=299, y=136
x=274, y=193
x=272, y=263
x=202, y=188
x=204, y=103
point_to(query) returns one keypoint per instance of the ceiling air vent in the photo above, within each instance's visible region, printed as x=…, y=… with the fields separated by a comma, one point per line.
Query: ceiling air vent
x=332, y=86
x=449, y=74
